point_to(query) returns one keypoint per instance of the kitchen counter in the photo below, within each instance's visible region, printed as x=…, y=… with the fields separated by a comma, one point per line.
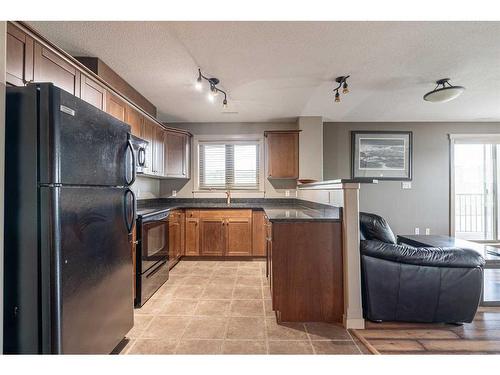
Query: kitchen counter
x=275, y=209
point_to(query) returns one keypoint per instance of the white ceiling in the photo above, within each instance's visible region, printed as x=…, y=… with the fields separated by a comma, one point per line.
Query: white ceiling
x=276, y=71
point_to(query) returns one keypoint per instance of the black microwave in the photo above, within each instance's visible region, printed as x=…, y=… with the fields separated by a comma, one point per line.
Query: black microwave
x=139, y=146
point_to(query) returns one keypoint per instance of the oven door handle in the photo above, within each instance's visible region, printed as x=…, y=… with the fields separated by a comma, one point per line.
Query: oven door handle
x=127, y=201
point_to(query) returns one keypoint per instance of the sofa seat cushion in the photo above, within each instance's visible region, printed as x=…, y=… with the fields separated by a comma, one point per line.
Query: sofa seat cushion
x=422, y=256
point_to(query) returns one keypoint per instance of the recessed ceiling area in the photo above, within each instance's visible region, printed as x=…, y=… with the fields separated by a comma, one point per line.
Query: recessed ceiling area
x=276, y=71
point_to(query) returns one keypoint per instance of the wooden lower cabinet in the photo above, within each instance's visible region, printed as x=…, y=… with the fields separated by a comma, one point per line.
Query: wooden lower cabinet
x=239, y=236
x=175, y=237
x=212, y=234
x=306, y=271
x=192, y=238
x=258, y=233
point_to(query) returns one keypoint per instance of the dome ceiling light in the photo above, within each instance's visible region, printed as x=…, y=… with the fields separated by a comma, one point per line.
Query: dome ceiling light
x=342, y=81
x=214, y=90
x=443, y=92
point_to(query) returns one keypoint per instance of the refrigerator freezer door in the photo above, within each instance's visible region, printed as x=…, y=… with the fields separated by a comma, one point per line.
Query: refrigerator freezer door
x=96, y=269
x=80, y=144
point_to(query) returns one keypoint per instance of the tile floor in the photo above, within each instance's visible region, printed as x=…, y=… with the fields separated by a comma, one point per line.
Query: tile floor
x=224, y=307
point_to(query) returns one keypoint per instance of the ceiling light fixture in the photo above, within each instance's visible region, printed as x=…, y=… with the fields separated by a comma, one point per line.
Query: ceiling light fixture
x=342, y=81
x=214, y=90
x=445, y=93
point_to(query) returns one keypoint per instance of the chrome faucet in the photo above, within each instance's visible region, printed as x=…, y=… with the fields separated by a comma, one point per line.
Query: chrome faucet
x=228, y=197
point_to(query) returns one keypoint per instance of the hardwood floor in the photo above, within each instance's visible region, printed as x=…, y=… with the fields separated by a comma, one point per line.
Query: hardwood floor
x=482, y=336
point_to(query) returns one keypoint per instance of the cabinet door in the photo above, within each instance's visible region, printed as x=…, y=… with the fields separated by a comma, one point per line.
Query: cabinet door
x=147, y=134
x=282, y=155
x=158, y=150
x=116, y=107
x=176, y=148
x=258, y=234
x=135, y=120
x=19, y=64
x=93, y=93
x=182, y=234
x=238, y=236
x=50, y=67
x=212, y=233
x=192, y=246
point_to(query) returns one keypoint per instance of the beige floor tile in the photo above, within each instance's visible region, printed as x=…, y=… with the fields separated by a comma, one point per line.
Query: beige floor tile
x=247, y=292
x=179, y=307
x=247, y=308
x=195, y=280
x=249, y=264
x=163, y=327
x=285, y=331
x=127, y=347
x=188, y=292
x=213, y=308
x=254, y=281
x=268, y=308
x=175, y=279
x=151, y=307
x=335, y=347
x=165, y=292
x=199, y=347
x=256, y=272
x=140, y=324
x=266, y=292
x=224, y=280
x=227, y=264
x=223, y=271
x=246, y=328
x=201, y=271
x=206, y=328
x=153, y=346
x=326, y=331
x=218, y=292
x=244, y=347
x=290, y=347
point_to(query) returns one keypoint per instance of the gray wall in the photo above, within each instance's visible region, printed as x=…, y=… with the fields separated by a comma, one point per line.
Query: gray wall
x=426, y=204
x=185, y=188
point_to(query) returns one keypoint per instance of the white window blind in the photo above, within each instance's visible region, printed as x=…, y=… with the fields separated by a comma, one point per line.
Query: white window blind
x=229, y=165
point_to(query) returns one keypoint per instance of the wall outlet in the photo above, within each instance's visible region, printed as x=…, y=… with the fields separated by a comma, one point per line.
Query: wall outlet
x=287, y=193
x=174, y=193
x=405, y=184
x=427, y=231
x=417, y=230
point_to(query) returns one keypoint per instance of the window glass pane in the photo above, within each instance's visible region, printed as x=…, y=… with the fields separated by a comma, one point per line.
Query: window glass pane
x=474, y=203
x=214, y=165
x=245, y=165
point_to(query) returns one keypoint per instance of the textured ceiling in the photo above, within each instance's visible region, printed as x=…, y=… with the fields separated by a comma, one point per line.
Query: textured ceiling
x=279, y=70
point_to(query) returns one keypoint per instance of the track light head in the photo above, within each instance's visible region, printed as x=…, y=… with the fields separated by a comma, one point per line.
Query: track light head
x=337, y=97
x=345, y=89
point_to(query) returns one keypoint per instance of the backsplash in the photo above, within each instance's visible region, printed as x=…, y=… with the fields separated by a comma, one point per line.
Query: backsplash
x=146, y=188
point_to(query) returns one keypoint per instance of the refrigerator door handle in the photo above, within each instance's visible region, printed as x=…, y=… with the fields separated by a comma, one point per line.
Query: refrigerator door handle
x=129, y=224
x=131, y=148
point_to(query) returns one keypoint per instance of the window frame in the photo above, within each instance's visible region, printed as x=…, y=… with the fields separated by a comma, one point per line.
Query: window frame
x=234, y=139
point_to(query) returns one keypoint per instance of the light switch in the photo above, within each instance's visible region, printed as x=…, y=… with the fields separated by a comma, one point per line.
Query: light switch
x=174, y=193
x=287, y=193
x=427, y=231
x=405, y=184
x=417, y=230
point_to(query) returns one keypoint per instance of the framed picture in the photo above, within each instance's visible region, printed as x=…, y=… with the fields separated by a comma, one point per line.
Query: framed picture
x=383, y=155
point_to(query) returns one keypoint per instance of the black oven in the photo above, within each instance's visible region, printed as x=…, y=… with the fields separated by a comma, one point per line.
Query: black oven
x=151, y=255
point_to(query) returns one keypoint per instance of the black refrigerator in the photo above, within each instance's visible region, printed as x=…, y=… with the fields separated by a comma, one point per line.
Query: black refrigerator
x=69, y=217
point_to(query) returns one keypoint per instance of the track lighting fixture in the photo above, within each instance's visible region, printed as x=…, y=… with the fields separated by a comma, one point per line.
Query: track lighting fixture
x=214, y=90
x=342, y=83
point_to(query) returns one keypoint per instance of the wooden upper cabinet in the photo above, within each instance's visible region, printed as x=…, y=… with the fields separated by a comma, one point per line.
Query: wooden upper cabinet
x=177, y=148
x=135, y=119
x=148, y=133
x=50, y=67
x=158, y=150
x=282, y=154
x=93, y=93
x=239, y=236
x=258, y=233
x=19, y=64
x=116, y=107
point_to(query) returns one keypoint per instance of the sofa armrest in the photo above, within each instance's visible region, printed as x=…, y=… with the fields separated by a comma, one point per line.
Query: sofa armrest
x=423, y=256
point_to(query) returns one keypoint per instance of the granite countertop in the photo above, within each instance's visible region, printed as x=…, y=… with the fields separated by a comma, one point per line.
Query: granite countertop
x=275, y=209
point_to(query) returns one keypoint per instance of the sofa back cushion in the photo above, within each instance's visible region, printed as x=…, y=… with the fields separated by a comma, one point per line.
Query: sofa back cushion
x=374, y=227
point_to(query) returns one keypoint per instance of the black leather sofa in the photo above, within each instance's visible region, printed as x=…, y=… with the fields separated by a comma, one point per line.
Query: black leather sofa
x=403, y=283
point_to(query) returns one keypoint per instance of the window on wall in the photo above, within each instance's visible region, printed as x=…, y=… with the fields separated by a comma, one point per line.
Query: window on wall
x=228, y=165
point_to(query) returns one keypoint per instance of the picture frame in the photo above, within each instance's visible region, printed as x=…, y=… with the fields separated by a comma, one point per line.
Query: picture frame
x=382, y=155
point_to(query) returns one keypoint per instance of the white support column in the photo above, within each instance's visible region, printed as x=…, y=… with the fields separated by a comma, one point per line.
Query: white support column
x=353, y=308
x=3, y=60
